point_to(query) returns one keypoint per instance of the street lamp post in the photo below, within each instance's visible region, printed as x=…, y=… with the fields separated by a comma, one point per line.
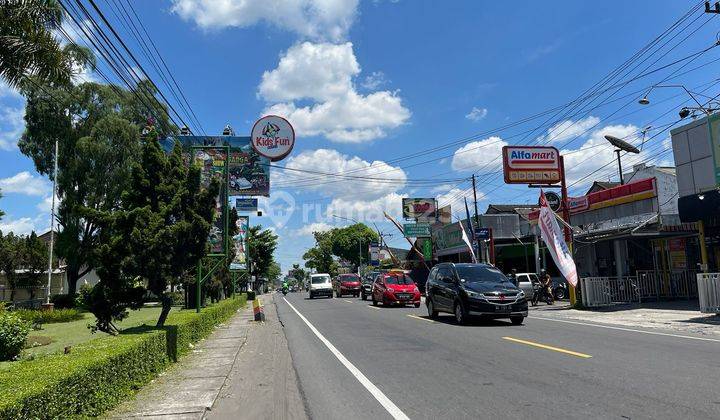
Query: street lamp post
x=52, y=227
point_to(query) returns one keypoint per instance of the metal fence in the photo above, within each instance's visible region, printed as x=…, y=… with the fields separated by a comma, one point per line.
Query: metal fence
x=606, y=291
x=667, y=284
x=708, y=285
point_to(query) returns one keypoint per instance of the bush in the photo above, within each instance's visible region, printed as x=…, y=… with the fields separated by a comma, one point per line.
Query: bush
x=82, y=298
x=36, y=316
x=178, y=298
x=96, y=375
x=13, y=332
x=63, y=301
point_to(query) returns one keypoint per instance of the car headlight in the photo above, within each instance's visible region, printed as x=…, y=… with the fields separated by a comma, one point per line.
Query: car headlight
x=475, y=294
x=521, y=294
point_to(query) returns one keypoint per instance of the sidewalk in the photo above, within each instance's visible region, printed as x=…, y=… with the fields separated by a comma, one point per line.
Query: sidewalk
x=242, y=371
x=677, y=316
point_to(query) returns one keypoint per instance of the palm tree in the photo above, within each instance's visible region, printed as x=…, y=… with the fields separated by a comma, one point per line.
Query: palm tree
x=28, y=46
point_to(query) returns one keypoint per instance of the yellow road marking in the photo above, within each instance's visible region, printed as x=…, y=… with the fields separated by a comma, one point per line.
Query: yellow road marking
x=420, y=318
x=546, y=347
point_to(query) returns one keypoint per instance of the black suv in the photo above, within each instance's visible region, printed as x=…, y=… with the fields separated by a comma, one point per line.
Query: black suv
x=467, y=290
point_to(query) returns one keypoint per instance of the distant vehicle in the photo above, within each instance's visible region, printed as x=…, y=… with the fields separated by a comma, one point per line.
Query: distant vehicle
x=395, y=288
x=347, y=284
x=320, y=285
x=528, y=282
x=367, y=282
x=466, y=290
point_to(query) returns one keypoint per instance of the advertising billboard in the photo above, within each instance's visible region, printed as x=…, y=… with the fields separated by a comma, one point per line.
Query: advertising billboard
x=246, y=204
x=531, y=165
x=273, y=137
x=419, y=209
x=239, y=260
x=213, y=165
x=416, y=230
x=374, y=251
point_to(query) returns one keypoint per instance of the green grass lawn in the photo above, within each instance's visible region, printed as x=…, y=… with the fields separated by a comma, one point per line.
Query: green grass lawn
x=73, y=333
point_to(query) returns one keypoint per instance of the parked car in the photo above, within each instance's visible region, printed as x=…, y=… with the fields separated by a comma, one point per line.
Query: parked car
x=466, y=290
x=395, y=288
x=367, y=283
x=527, y=282
x=347, y=284
x=320, y=285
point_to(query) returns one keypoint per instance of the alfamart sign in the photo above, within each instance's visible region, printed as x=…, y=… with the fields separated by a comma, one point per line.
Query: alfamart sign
x=531, y=165
x=273, y=137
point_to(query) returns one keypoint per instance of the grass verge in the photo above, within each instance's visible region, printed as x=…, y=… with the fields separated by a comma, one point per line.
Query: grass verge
x=97, y=374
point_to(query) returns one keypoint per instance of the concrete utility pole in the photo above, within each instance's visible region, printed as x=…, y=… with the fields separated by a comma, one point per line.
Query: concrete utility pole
x=480, y=254
x=52, y=227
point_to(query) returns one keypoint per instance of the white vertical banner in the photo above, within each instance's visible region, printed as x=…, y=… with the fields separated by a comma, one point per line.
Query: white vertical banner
x=552, y=235
x=467, y=241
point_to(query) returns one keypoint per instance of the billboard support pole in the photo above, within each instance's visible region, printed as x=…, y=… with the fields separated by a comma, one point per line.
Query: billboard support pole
x=197, y=286
x=477, y=221
x=566, y=216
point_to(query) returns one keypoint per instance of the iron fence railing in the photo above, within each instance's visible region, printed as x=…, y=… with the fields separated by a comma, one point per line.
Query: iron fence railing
x=708, y=285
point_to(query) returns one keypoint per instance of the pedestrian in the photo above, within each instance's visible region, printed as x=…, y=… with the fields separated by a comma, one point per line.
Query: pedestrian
x=513, y=277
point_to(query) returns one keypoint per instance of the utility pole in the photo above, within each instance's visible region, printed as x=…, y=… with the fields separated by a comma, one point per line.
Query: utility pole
x=477, y=222
x=52, y=227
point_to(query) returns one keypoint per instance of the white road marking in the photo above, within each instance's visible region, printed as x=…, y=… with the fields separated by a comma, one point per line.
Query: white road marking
x=390, y=406
x=420, y=318
x=689, y=337
x=372, y=306
x=348, y=301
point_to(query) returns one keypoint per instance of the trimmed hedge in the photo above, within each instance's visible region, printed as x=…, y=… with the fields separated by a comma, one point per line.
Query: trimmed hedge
x=96, y=375
x=49, y=317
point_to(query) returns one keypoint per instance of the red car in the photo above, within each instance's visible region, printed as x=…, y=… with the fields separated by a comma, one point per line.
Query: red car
x=347, y=284
x=395, y=289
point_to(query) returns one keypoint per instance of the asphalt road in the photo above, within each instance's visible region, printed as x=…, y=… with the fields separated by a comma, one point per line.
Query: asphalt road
x=394, y=362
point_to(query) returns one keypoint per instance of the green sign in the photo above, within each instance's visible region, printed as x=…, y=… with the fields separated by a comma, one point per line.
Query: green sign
x=427, y=249
x=416, y=230
x=714, y=124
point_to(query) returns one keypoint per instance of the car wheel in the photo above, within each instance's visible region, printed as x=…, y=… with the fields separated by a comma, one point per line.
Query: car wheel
x=363, y=296
x=559, y=293
x=432, y=313
x=460, y=314
x=417, y=305
x=517, y=320
x=311, y=296
x=375, y=302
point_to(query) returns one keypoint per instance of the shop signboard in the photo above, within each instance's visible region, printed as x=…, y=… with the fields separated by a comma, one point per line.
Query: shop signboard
x=416, y=230
x=714, y=123
x=246, y=204
x=427, y=249
x=374, y=251
x=676, y=248
x=445, y=215
x=213, y=166
x=239, y=261
x=531, y=165
x=482, y=233
x=273, y=137
x=419, y=209
x=553, y=200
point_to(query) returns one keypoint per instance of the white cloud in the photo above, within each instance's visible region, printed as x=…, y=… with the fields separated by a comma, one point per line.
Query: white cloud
x=568, y=129
x=24, y=183
x=24, y=225
x=310, y=228
x=455, y=197
x=483, y=155
x=390, y=179
x=375, y=80
x=477, y=114
x=316, y=19
x=7, y=91
x=367, y=210
x=323, y=73
x=12, y=125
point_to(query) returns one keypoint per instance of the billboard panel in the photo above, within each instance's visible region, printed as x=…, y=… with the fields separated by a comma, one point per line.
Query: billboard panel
x=420, y=209
x=531, y=165
x=213, y=164
x=239, y=261
x=246, y=204
x=416, y=230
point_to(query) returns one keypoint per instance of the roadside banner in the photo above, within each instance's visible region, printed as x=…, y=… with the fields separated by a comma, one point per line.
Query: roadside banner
x=467, y=242
x=553, y=237
x=239, y=261
x=213, y=165
x=374, y=249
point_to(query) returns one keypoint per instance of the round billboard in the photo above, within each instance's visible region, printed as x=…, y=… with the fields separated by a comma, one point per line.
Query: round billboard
x=554, y=201
x=273, y=137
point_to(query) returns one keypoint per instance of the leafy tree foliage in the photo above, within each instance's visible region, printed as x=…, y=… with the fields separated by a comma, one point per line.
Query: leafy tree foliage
x=28, y=47
x=98, y=130
x=320, y=257
x=24, y=261
x=261, y=246
x=349, y=243
x=298, y=273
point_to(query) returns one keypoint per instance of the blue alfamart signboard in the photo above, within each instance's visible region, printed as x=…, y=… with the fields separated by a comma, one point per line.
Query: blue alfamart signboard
x=246, y=204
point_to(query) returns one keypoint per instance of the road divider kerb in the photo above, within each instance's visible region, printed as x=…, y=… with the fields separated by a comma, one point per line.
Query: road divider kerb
x=420, y=318
x=389, y=406
x=546, y=347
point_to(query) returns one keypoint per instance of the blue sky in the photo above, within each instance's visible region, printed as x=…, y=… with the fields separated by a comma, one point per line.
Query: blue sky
x=366, y=83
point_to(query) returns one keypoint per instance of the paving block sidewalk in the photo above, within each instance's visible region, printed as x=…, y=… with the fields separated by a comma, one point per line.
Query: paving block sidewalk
x=675, y=316
x=225, y=372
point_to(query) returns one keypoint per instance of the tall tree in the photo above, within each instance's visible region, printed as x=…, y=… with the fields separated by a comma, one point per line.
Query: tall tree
x=98, y=130
x=161, y=225
x=10, y=258
x=351, y=242
x=320, y=256
x=33, y=260
x=261, y=246
x=28, y=47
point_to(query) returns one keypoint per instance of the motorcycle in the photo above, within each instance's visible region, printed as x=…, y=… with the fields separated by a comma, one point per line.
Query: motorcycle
x=285, y=290
x=542, y=292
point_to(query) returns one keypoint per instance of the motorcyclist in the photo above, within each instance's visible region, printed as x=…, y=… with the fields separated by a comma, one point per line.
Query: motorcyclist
x=285, y=287
x=546, y=284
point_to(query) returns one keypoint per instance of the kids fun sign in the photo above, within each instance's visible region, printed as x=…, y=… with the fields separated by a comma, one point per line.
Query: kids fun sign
x=273, y=137
x=531, y=165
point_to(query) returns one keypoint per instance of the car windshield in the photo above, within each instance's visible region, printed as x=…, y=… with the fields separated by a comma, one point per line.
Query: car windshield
x=401, y=279
x=349, y=278
x=319, y=279
x=480, y=273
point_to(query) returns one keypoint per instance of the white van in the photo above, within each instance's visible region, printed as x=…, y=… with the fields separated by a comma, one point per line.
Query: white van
x=320, y=285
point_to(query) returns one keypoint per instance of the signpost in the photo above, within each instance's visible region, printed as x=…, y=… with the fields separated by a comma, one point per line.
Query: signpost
x=246, y=204
x=416, y=230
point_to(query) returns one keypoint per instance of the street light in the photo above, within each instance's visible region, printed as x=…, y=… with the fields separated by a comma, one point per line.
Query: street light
x=621, y=145
x=685, y=111
x=359, y=240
